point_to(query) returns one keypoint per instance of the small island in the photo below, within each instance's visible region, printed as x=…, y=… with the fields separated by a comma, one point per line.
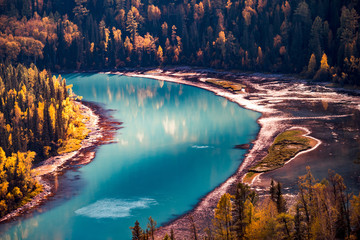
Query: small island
x=285, y=147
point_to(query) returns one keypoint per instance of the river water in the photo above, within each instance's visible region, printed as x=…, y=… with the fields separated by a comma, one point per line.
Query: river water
x=176, y=145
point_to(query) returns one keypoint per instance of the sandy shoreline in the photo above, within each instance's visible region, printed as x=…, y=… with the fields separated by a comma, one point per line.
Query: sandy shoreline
x=272, y=122
x=265, y=94
x=101, y=129
x=203, y=211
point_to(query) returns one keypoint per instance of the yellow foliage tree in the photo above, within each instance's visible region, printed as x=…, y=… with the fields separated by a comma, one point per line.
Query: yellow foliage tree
x=40, y=113
x=52, y=113
x=160, y=54
x=223, y=218
x=324, y=63
x=323, y=73
x=263, y=225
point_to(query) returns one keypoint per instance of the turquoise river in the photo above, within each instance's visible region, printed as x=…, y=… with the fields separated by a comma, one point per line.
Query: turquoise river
x=176, y=145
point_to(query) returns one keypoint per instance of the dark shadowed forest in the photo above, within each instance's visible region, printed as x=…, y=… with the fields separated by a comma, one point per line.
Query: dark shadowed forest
x=319, y=39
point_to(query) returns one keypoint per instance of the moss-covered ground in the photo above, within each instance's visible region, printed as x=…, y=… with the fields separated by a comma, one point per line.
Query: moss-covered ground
x=286, y=145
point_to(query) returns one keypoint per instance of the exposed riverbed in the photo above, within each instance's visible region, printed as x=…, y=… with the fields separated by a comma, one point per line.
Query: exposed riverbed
x=332, y=116
x=328, y=115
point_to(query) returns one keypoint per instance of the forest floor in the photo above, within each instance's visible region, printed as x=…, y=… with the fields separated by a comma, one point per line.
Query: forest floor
x=285, y=103
x=102, y=128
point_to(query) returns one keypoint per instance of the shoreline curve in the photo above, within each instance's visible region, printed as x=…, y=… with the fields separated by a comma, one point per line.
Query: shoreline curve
x=101, y=128
x=270, y=127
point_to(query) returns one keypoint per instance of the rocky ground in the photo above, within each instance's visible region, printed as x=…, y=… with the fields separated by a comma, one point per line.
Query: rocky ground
x=331, y=116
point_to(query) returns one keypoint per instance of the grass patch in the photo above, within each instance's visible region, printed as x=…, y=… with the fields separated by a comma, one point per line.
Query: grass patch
x=76, y=132
x=286, y=145
x=249, y=177
x=234, y=87
x=70, y=146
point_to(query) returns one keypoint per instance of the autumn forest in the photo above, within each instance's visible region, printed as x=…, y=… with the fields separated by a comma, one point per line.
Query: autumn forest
x=40, y=117
x=318, y=39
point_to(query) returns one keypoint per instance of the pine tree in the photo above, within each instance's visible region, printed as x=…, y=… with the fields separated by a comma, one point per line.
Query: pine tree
x=136, y=231
x=272, y=190
x=172, y=235
x=347, y=32
x=316, y=37
x=243, y=194
x=305, y=198
x=311, y=66
x=152, y=227
x=193, y=227
x=131, y=25
x=299, y=231
x=280, y=201
x=341, y=198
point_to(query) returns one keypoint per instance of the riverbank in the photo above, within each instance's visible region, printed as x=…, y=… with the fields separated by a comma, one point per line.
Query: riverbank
x=203, y=211
x=281, y=99
x=101, y=126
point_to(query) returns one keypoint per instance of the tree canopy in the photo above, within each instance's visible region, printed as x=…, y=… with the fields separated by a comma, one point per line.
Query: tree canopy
x=38, y=119
x=277, y=36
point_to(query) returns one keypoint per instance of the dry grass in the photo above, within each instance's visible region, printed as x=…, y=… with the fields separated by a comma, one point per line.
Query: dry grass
x=234, y=87
x=285, y=147
x=69, y=146
x=249, y=177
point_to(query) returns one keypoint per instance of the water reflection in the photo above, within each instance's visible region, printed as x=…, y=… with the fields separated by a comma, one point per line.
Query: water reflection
x=224, y=103
x=94, y=92
x=161, y=83
x=325, y=104
x=169, y=126
x=109, y=93
x=144, y=94
x=176, y=145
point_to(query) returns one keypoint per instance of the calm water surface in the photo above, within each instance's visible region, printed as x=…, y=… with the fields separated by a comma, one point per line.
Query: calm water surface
x=176, y=146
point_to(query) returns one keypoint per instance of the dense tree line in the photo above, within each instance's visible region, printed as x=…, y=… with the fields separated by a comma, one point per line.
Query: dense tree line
x=36, y=112
x=37, y=118
x=317, y=38
x=321, y=210
x=17, y=185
